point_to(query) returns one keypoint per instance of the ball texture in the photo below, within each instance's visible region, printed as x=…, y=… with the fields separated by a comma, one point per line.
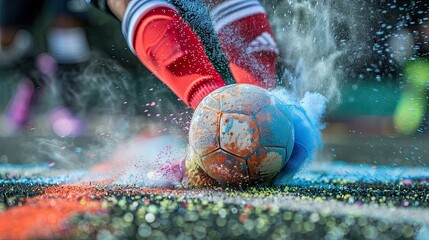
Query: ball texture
x=239, y=135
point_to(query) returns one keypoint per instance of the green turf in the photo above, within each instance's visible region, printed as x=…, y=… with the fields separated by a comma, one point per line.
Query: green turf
x=334, y=209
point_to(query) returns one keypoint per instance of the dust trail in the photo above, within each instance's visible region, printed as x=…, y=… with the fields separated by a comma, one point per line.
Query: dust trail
x=308, y=46
x=143, y=161
x=323, y=44
x=121, y=142
x=305, y=115
x=96, y=95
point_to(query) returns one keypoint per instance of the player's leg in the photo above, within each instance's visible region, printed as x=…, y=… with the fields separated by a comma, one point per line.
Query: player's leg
x=16, y=52
x=66, y=39
x=168, y=47
x=247, y=39
x=16, y=42
x=409, y=114
x=115, y=8
x=67, y=54
x=411, y=111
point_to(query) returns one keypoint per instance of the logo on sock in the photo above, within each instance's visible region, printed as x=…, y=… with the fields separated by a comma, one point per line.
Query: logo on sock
x=263, y=42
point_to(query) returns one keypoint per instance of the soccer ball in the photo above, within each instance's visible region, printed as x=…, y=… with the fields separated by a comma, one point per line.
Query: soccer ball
x=239, y=135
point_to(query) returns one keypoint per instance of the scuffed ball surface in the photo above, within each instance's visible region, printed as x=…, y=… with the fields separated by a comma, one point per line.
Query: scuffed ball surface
x=239, y=135
x=196, y=177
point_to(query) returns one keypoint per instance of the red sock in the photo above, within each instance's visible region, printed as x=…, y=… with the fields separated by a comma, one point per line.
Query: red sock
x=168, y=47
x=247, y=39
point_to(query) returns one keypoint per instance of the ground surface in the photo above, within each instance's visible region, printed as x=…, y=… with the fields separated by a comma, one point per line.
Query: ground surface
x=331, y=201
x=381, y=191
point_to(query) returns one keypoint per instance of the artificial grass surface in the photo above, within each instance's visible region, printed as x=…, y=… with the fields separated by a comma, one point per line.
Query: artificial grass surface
x=319, y=204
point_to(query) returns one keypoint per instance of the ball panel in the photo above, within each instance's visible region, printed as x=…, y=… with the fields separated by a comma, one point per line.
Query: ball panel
x=244, y=99
x=205, y=123
x=239, y=134
x=265, y=163
x=225, y=168
x=274, y=126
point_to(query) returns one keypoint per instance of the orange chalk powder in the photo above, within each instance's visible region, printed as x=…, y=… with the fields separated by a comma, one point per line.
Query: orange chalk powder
x=46, y=215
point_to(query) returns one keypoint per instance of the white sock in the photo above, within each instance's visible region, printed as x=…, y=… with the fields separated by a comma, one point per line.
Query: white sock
x=68, y=45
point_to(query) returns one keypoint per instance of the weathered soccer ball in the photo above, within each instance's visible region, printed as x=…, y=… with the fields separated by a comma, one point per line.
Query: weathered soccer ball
x=239, y=135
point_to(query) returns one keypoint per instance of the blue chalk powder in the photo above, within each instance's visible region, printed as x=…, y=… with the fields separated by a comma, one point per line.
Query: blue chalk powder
x=305, y=116
x=323, y=173
x=36, y=173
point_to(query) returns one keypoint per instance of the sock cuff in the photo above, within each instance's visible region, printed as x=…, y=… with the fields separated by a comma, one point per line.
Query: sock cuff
x=234, y=10
x=201, y=89
x=133, y=13
x=68, y=45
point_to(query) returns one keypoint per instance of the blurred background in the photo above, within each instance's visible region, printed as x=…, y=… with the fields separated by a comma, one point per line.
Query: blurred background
x=71, y=90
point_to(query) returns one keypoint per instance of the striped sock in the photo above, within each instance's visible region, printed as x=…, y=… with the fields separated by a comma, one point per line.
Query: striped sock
x=246, y=37
x=168, y=47
x=69, y=45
